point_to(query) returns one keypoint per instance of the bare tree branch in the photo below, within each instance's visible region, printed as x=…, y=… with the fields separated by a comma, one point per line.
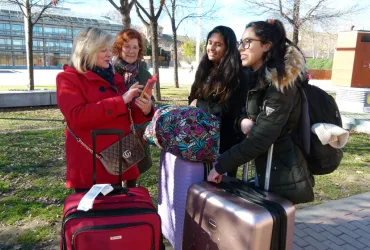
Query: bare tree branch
x=131, y=4
x=114, y=5
x=318, y=11
x=168, y=12
x=206, y=14
x=160, y=10
x=141, y=17
x=283, y=14
x=20, y=5
x=41, y=13
x=138, y=5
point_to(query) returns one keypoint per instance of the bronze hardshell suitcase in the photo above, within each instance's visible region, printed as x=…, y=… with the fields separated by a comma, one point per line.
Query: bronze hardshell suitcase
x=235, y=215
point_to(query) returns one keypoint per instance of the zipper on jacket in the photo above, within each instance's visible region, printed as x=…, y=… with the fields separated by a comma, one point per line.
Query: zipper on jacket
x=108, y=227
x=103, y=213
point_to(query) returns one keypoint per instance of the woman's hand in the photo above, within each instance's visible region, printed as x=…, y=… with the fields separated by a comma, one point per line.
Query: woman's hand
x=246, y=126
x=144, y=103
x=213, y=176
x=194, y=103
x=133, y=92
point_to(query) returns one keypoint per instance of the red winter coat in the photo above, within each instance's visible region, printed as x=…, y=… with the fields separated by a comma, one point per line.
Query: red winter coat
x=88, y=102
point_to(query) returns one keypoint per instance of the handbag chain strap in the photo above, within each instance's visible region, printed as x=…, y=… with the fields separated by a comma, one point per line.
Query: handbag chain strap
x=82, y=143
x=88, y=148
x=132, y=126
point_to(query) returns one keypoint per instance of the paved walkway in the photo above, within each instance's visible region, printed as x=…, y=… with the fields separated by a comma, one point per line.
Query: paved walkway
x=337, y=225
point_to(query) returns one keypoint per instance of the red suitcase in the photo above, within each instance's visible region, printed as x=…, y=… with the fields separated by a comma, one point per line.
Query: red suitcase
x=234, y=215
x=127, y=219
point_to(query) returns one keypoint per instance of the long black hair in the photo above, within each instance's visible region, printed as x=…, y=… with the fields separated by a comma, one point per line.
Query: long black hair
x=223, y=77
x=272, y=31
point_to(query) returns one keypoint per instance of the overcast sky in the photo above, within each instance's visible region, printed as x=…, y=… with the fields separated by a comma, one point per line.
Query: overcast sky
x=231, y=14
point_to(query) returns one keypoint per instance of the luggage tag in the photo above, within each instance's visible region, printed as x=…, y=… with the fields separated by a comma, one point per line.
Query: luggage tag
x=87, y=201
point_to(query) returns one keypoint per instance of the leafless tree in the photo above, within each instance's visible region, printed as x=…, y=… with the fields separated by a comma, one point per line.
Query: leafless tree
x=179, y=11
x=125, y=9
x=297, y=12
x=152, y=24
x=32, y=11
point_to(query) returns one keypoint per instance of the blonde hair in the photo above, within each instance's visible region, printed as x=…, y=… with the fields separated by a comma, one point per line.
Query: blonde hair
x=88, y=43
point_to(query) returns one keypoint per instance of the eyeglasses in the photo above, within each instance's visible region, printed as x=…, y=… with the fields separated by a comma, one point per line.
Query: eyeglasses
x=128, y=48
x=247, y=42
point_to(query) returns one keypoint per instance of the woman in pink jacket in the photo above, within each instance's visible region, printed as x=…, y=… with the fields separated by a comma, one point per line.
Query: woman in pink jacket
x=90, y=96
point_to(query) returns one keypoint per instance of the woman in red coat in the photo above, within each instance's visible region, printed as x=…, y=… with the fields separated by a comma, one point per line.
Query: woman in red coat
x=91, y=96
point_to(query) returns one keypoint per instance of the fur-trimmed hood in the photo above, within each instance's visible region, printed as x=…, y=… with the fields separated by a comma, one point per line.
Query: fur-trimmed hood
x=295, y=68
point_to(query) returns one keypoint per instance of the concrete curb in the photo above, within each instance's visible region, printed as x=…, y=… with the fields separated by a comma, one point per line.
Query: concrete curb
x=10, y=99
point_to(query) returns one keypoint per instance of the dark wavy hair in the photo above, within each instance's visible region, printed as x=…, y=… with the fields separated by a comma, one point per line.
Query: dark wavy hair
x=224, y=78
x=272, y=31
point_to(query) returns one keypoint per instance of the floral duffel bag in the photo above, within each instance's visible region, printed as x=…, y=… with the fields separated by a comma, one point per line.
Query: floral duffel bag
x=187, y=132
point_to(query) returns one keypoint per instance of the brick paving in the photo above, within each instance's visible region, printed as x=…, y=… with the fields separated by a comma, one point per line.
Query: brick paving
x=336, y=225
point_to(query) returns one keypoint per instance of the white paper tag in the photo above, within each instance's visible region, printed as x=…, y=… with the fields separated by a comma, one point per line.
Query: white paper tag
x=87, y=201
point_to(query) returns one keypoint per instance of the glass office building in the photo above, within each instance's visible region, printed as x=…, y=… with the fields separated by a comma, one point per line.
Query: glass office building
x=52, y=36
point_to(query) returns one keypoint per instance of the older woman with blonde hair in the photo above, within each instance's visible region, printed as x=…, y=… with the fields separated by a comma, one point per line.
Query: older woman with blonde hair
x=91, y=96
x=128, y=51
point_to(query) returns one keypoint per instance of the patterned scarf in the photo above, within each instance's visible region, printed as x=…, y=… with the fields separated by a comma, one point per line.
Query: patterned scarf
x=129, y=71
x=106, y=74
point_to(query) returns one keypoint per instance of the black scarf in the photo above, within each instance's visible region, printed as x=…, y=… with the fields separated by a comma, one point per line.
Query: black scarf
x=107, y=74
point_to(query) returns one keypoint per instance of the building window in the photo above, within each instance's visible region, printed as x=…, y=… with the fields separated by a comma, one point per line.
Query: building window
x=18, y=42
x=17, y=29
x=365, y=39
x=4, y=28
x=38, y=59
x=37, y=44
x=37, y=29
x=5, y=59
x=48, y=30
x=5, y=41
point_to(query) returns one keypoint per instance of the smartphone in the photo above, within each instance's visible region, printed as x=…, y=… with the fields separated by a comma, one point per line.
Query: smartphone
x=149, y=85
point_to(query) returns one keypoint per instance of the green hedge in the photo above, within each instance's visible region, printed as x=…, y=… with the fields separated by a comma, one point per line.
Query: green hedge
x=320, y=63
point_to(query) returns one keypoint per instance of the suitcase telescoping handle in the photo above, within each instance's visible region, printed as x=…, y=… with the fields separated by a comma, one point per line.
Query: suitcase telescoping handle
x=94, y=134
x=268, y=169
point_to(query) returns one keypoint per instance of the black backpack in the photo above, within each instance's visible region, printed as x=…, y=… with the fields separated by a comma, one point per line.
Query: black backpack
x=317, y=107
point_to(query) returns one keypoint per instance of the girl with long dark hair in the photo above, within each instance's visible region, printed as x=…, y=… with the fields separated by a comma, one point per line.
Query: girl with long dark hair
x=219, y=87
x=275, y=69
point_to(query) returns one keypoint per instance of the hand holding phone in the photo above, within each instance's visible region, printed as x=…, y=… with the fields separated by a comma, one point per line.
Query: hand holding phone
x=149, y=85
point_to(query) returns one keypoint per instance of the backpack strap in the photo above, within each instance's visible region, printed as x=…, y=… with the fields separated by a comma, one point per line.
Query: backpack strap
x=304, y=130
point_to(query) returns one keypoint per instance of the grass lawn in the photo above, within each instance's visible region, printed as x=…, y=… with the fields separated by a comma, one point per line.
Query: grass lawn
x=32, y=174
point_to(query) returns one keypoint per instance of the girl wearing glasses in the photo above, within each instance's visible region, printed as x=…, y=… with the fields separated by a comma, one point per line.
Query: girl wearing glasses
x=275, y=67
x=128, y=52
x=219, y=86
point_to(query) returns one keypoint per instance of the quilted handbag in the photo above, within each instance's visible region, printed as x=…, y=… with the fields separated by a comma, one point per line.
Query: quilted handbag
x=187, y=132
x=133, y=151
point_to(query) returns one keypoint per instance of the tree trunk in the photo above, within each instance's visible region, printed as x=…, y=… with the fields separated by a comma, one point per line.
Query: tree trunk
x=296, y=35
x=155, y=50
x=126, y=19
x=176, y=65
x=296, y=24
x=313, y=45
x=29, y=48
